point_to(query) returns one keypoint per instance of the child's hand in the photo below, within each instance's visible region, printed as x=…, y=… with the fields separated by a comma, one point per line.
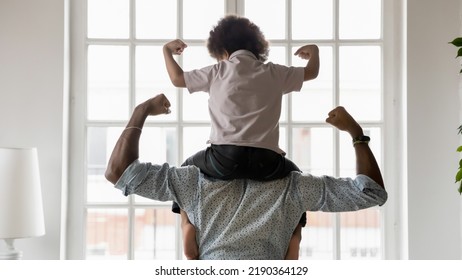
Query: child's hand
x=307, y=51
x=176, y=46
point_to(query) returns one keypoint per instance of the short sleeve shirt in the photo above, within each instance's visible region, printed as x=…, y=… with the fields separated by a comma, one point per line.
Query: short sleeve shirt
x=245, y=97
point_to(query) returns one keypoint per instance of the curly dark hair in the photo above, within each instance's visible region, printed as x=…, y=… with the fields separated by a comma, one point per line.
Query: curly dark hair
x=234, y=33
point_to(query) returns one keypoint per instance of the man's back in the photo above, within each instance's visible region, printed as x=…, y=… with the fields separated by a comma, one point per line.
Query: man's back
x=245, y=219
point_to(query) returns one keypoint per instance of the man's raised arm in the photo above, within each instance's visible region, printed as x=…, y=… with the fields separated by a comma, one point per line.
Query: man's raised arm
x=126, y=149
x=366, y=163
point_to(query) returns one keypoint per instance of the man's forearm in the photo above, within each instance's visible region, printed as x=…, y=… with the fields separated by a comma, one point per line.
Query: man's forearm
x=366, y=163
x=126, y=149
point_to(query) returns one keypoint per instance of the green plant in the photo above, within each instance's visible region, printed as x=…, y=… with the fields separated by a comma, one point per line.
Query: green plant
x=458, y=43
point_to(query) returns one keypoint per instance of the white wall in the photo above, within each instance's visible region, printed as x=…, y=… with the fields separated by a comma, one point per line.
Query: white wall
x=434, y=212
x=32, y=82
x=31, y=101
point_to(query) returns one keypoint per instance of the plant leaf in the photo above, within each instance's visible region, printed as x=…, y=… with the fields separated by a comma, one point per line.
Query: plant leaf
x=459, y=149
x=457, y=42
x=459, y=175
x=460, y=188
x=460, y=127
x=459, y=53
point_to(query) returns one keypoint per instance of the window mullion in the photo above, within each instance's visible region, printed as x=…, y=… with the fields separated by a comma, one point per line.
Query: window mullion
x=131, y=104
x=131, y=230
x=336, y=79
x=132, y=53
x=231, y=7
x=179, y=131
x=240, y=7
x=289, y=129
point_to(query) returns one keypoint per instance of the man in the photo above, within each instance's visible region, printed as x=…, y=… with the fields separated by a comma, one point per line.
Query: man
x=244, y=219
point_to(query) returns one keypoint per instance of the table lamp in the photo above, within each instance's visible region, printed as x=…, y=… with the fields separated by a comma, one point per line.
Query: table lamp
x=21, y=208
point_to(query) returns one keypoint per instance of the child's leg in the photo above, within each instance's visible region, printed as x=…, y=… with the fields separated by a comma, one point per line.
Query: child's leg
x=190, y=248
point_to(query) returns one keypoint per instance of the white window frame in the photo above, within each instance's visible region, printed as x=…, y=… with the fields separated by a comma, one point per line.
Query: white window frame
x=392, y=126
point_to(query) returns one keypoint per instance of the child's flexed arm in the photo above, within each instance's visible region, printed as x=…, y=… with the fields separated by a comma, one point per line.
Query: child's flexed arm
x=174, y=70
x=310, y=52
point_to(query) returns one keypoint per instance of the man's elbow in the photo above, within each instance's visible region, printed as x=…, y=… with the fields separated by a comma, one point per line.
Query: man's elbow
x=111, y=175
x=383, y=198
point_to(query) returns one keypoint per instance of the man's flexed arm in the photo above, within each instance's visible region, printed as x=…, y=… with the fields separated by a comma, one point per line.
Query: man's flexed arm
x=366, y=163
x=175, y=72
x=126, y=149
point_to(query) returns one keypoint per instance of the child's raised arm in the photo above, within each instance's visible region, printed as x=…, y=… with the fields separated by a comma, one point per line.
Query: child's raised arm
x=310, y=52
x=174, y=70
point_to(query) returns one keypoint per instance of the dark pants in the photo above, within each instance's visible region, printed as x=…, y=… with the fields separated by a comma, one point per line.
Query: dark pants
x=228, y=162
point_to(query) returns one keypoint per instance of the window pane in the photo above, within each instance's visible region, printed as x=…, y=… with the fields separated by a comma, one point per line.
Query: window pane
x=156, y=19
x=312, y=19
x=107, y=234
x=317, y=237
x=283, y=138
x=195, y=106
x=108, y=18
x=360, y=234
x=107, y=82
x=194, y=139
x=360, y=81
x=347, y=153
x=315, y=100
x=360, y=19
x=199, y=16
x=100, y=142
x=313, y=150
x=278, y=55
x=155, y=234
x=159, y=145
x=152, y=79
x=270, y=16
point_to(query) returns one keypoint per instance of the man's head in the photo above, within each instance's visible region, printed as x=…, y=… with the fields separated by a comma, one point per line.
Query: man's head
x=234, y=33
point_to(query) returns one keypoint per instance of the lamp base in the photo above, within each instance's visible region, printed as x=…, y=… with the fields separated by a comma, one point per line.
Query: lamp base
x=10, y=253
x=15, y=255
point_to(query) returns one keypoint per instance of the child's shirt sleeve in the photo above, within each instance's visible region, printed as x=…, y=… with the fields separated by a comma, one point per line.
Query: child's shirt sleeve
x=199, y=79
x=290, y=78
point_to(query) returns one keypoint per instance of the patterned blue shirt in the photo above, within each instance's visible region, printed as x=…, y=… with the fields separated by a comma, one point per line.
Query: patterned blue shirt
x=245, y=219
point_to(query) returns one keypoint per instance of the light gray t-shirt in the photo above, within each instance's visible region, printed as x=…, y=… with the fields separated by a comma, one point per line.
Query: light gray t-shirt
x=245, y=219
x=245, y=98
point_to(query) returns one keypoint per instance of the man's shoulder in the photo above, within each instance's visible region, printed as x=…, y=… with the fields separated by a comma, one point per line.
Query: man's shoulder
x=293, y=179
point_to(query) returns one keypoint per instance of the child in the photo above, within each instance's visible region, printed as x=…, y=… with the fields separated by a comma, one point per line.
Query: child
x=245, y=96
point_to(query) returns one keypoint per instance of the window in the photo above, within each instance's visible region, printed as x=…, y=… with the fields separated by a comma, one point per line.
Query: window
x=118, y=63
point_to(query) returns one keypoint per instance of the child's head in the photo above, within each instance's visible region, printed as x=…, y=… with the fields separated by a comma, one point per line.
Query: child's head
x=234, y=33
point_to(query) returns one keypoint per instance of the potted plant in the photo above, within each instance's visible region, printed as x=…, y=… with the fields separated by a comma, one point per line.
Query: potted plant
x=458, y=43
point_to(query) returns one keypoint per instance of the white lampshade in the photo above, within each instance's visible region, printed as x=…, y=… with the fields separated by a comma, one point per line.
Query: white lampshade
x=21, y=207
